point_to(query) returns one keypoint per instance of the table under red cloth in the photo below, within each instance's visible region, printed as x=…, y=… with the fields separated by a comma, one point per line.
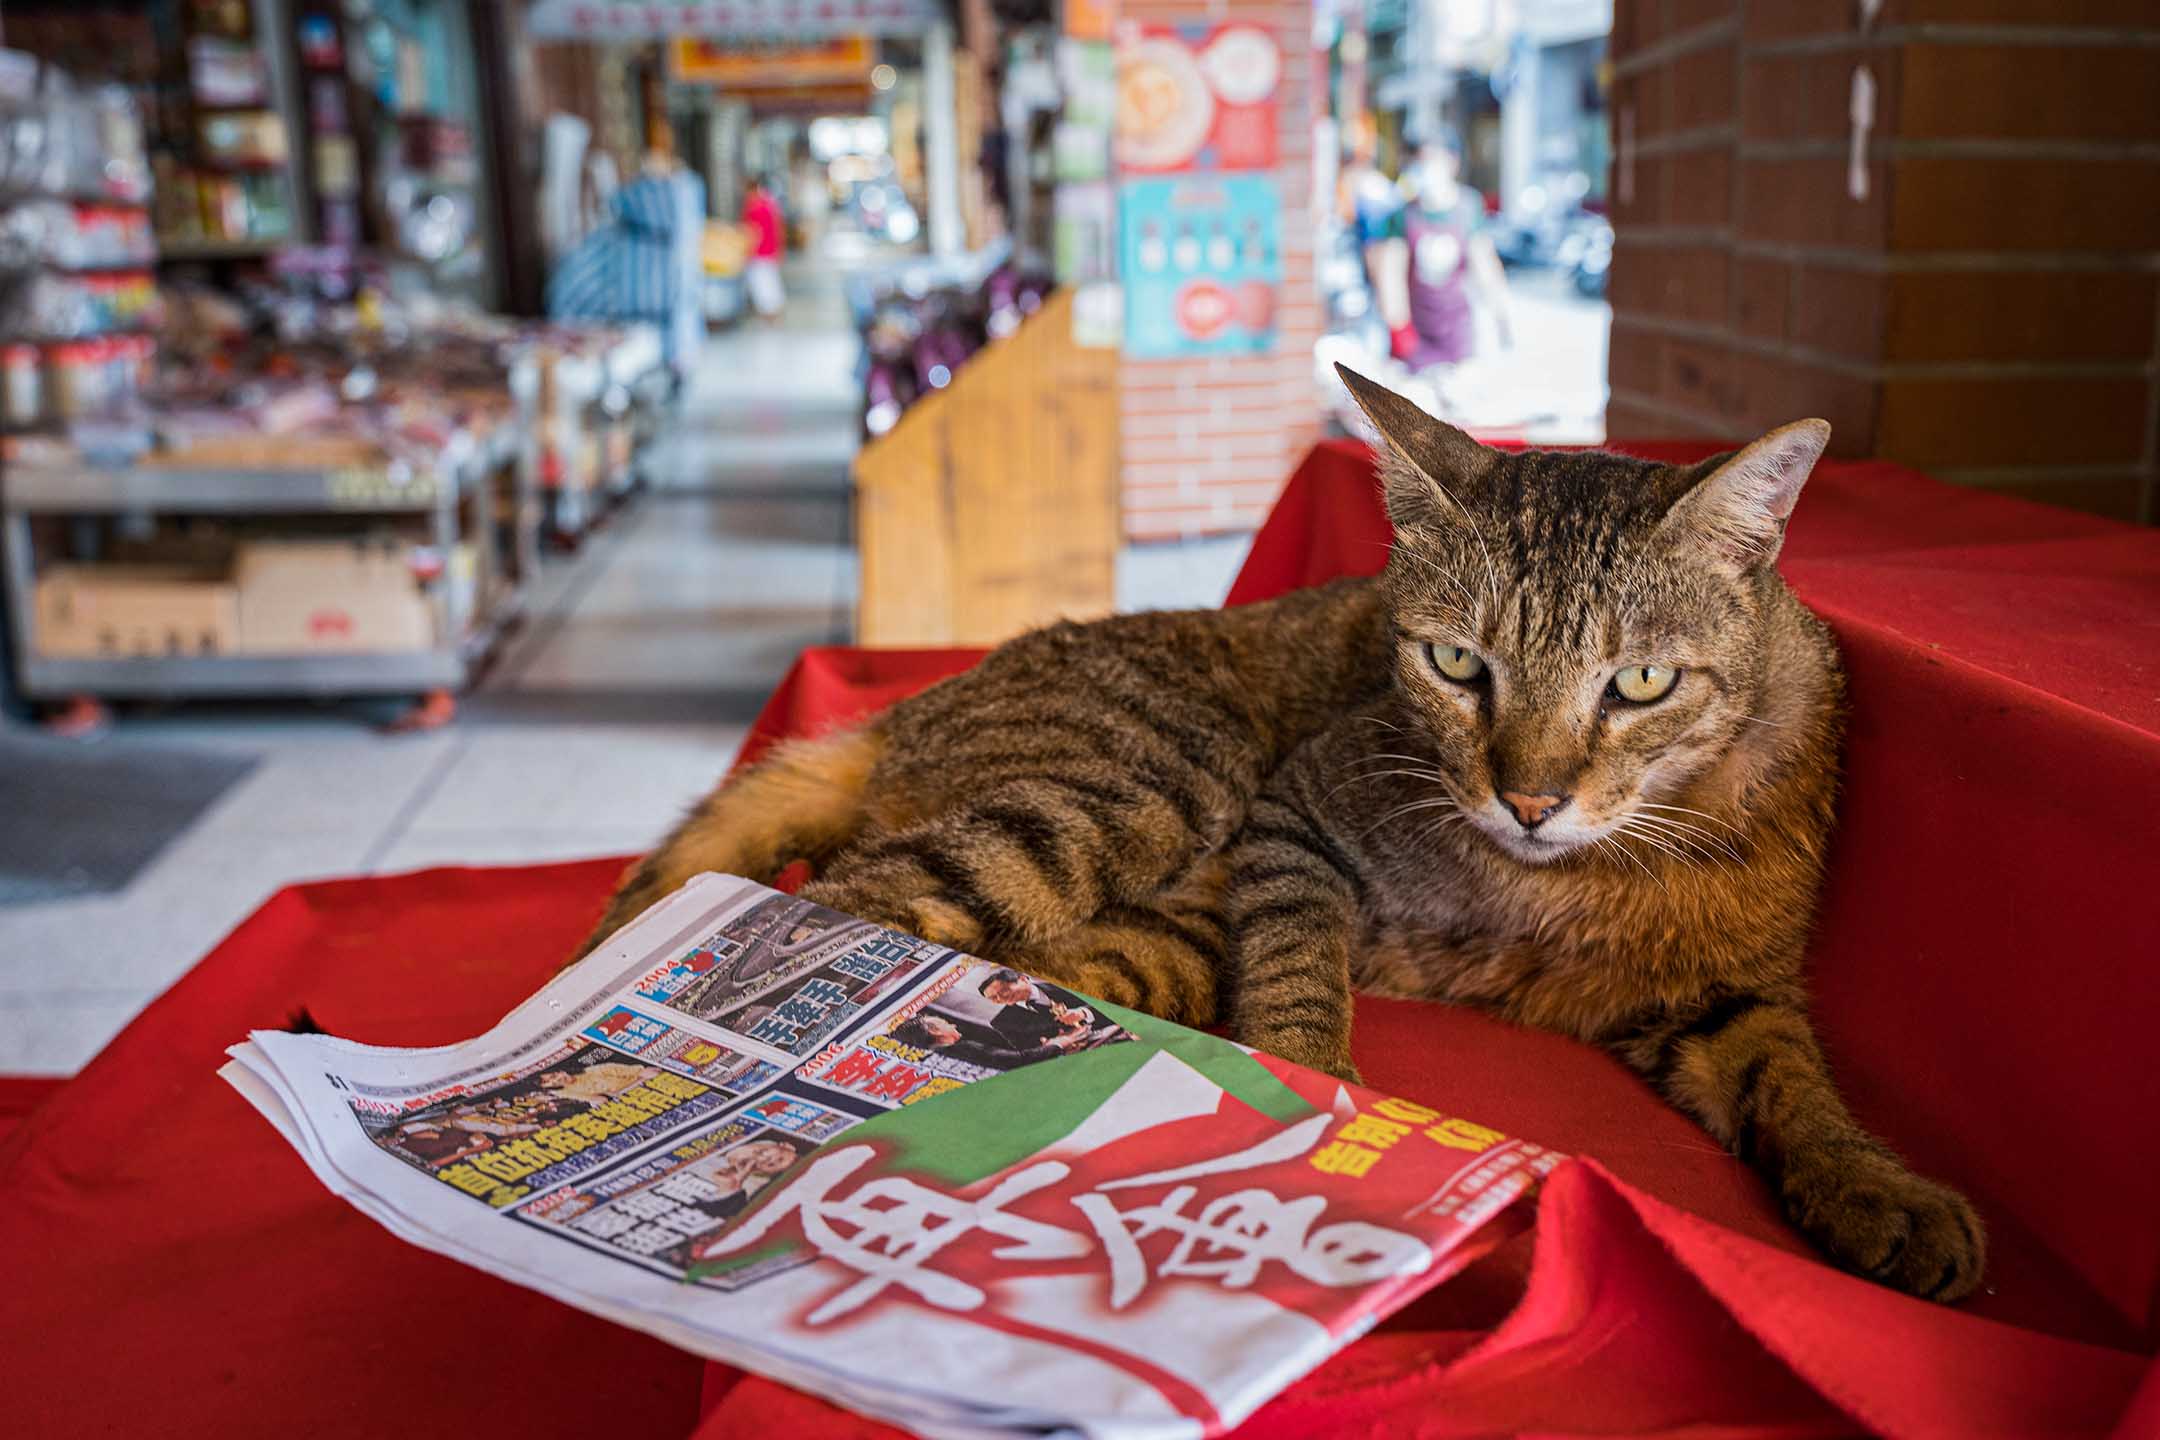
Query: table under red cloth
x=1985, y=981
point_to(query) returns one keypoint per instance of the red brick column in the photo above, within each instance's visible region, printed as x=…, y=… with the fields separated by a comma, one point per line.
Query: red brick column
x=1987, y=310
x=1207, y=443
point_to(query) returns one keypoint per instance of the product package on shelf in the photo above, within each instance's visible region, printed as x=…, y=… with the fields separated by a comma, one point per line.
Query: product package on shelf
x=924, y=1186
x=104, y=612
x=303, y=597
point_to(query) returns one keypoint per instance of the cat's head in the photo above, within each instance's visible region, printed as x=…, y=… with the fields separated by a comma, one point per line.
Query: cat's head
x=1582, y=633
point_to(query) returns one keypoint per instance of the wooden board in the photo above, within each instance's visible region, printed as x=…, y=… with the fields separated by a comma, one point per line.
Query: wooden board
x=992, y=507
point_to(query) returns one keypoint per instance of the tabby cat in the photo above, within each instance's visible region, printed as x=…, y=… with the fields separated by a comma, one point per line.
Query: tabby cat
x=1571, y=758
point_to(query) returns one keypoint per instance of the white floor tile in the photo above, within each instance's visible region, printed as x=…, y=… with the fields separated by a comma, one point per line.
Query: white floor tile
x=424, y=849
x=331, y=783
x=1180, y=575
x=585, y=779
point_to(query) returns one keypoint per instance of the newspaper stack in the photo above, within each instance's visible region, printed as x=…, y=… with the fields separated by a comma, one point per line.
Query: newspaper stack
x=917, y=1184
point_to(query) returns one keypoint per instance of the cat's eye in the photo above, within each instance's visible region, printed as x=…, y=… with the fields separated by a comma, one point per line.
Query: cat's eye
x=1642, y=684
x=1453, y=661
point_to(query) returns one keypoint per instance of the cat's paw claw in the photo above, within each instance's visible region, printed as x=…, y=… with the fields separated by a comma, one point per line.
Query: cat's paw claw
x=1896, y=1227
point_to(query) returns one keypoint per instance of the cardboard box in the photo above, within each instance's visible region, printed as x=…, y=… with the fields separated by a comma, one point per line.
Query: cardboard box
x=119, y=611
x=288, y=451
x=301, y=597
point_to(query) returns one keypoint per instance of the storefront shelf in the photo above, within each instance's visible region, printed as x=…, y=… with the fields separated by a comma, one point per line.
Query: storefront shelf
x=155, y=676
x=96, y=490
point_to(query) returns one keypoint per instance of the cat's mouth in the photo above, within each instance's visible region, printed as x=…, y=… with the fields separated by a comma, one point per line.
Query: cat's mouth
x=1539, y=847
x=1551, y=841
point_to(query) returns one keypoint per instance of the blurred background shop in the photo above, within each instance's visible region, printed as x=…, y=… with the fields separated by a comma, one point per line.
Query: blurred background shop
x=430, y=428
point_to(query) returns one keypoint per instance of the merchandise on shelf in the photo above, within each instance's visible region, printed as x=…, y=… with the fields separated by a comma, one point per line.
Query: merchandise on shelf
x=60, y=140
x=74, y=236
x=55, y=305
x=87, y=379
x=916, y=336
x=22, y=385
x=247, y=137
x=218, y=207
x=225, y=72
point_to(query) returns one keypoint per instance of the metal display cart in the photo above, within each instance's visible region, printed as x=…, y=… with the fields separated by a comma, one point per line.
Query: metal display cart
x=463, y=496
x=598, y=410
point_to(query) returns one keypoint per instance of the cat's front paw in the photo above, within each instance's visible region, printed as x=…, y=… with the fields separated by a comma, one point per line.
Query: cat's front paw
x=926, y=917
x=1301, y=1047
x=1876, y=1217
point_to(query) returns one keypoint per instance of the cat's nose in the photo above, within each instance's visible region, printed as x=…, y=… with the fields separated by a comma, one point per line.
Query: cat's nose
x=1532, y=811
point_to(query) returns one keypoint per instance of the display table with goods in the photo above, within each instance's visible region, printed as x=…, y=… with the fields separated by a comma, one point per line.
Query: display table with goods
x=344, y=514
x=603, y=390
x=1982, y=979
x=77, y=252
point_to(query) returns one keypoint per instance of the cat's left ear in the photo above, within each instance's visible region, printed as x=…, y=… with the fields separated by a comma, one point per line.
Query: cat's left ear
x=1429, y=469
x=1740, y=507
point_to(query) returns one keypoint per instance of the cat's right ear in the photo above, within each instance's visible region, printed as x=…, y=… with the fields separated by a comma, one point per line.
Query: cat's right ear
x=1435, y=467
x=1740, y=505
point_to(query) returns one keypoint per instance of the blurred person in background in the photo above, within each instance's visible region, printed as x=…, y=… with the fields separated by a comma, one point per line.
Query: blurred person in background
x=1370, y=205
x=1452, y=263
x=761, y=272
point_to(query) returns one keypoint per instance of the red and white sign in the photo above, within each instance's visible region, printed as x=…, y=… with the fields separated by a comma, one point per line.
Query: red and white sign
x=1196, y=99
x=1204, y=310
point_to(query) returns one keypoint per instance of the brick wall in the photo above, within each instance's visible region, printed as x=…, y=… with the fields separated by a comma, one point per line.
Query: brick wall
x=1207, y=443
x=1986, y=312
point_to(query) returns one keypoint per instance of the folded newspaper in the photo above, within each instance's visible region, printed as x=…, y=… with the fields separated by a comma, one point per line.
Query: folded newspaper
x=920, y=1185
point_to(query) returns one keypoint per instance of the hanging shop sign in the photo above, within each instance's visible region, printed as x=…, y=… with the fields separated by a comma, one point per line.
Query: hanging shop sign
x=1201, y=261
x=727, y=19
x=1089, y=19
x=739, y=66
x=1196, y=98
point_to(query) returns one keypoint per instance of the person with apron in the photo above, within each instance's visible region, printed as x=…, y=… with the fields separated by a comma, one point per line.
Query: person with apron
x=1450, y=255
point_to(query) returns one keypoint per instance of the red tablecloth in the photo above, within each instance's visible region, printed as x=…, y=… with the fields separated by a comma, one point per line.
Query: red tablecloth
x=1986, y=987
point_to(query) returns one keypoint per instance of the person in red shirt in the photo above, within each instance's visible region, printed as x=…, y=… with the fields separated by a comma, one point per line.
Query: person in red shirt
x=761, y=272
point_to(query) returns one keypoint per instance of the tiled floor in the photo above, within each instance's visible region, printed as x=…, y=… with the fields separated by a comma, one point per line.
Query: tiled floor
x=622, y=699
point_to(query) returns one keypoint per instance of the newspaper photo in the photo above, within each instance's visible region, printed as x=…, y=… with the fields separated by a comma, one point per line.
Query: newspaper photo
x=932, y=1189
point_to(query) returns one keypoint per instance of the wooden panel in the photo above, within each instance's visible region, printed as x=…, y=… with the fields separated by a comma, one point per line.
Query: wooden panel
x=992, y=507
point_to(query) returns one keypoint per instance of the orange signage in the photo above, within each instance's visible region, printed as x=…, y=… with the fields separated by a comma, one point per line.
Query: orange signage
x=1089, y=19
x=699, y=61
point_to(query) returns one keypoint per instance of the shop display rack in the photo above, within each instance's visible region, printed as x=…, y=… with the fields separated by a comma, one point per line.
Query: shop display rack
x=458, y=498
x=597, y=412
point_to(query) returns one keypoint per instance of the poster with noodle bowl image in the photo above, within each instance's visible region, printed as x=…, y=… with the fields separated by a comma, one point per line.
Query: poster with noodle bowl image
x=1196, y=98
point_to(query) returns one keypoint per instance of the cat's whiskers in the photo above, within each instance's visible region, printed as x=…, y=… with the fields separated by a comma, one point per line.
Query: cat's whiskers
x=1438, y=802
x=1684, y=810
x=1680, y=848
x=1361, y=769
x=1722, y=843
x=1432, y=829
x=1392, y=755
x=1654, y=840
x=1604, y=842
x=1693, y=837
x=1421, y=774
